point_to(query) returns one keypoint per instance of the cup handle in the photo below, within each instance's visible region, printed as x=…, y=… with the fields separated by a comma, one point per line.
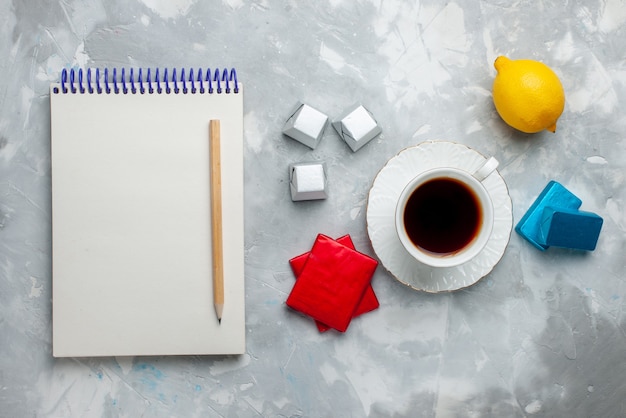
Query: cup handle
x=487, y=168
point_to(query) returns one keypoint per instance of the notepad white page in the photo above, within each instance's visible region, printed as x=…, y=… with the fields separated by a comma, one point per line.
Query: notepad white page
x=131, y=226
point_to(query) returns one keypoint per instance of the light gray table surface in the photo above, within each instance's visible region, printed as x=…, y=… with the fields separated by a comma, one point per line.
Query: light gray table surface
x=544, y=334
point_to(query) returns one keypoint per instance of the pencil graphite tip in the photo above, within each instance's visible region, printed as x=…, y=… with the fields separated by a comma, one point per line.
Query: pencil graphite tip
x=219, y=309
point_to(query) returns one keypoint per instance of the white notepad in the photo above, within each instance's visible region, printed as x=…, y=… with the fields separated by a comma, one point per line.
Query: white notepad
x=131, y=221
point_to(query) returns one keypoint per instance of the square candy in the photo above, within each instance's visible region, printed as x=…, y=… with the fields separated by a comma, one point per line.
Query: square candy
x=368, y=303
x=357, y=127
x=570, y=228
x=332, y=283
x=306, y=125
x=307, y=181
x=555, y=195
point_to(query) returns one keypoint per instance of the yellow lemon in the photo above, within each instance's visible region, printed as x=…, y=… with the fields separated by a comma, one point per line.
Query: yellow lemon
x=527, y=94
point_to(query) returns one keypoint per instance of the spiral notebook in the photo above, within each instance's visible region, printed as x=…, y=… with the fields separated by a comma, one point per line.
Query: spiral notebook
x=131, y=222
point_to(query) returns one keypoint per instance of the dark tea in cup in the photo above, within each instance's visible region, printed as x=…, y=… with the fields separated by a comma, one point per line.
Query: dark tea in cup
x=442, y=216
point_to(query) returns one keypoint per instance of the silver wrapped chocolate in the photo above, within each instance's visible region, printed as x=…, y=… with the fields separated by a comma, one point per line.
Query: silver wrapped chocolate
x=308, y=181
x=357, y=127
x=306, y=125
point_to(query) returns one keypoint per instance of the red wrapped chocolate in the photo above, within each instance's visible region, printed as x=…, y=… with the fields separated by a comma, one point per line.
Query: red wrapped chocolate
x=368, y=303
x=332, y=283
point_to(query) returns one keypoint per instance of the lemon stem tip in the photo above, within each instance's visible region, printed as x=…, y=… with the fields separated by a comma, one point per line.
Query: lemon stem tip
x=500, y=62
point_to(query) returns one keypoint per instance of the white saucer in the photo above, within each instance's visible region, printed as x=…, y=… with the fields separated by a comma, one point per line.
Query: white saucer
x=381, y=205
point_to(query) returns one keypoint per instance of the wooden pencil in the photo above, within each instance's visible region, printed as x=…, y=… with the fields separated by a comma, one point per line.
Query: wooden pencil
x=216, y=218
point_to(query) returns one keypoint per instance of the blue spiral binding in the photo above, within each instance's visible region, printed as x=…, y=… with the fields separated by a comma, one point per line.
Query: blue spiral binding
x=114, y=81
x=107, y=89
x=98, y=86
x=174, y=81
x=142, y=89
x=72, y=85
x=220, y=81
x=89, y=85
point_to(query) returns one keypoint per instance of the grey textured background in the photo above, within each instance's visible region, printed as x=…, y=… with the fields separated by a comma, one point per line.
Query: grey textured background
x=544, y=334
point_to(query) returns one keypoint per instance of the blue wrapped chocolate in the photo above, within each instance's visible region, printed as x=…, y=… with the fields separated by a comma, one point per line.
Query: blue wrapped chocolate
x=570, y=228
x=553, y=195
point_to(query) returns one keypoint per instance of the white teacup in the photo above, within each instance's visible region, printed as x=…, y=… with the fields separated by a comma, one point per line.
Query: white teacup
x=444, y=216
